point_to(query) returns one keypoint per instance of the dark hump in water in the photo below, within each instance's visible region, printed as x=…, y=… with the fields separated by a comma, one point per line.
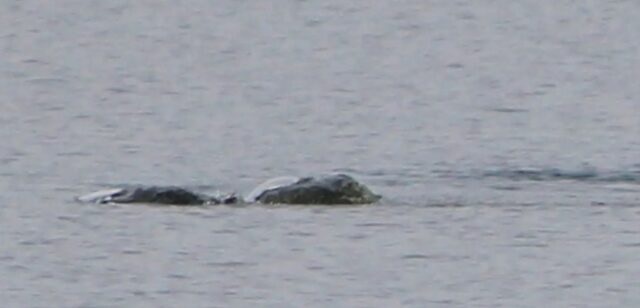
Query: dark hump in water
x=168, y=195
x=334, y=189
x=161, y=195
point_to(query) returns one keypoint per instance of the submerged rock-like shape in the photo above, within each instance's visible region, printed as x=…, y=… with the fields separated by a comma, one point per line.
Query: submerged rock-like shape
x=333, y=189
x=154, y=194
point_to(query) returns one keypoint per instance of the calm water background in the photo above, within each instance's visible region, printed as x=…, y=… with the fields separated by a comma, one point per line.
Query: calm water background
x=503, y=135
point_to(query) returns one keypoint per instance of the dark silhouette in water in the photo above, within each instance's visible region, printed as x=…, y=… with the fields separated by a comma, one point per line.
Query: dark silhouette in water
x=155, y=194
x=333, y=189
x=336, y=189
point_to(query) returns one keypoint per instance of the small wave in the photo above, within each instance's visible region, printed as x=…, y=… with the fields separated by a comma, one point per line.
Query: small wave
x=555, y=174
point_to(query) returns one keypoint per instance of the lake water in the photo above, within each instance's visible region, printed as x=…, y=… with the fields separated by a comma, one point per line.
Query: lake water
x=503, y=136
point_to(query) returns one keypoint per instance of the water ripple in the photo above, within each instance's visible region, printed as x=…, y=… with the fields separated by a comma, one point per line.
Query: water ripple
x=554, y=174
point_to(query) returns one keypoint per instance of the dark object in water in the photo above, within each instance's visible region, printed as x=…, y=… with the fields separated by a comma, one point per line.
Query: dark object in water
x=155, y=194
x=332, y=189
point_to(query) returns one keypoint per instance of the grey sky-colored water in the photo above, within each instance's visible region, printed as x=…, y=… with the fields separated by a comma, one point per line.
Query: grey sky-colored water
x=503, y=136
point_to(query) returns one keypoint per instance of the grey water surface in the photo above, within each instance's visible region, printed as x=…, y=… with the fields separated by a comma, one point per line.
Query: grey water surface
x=503, y=135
